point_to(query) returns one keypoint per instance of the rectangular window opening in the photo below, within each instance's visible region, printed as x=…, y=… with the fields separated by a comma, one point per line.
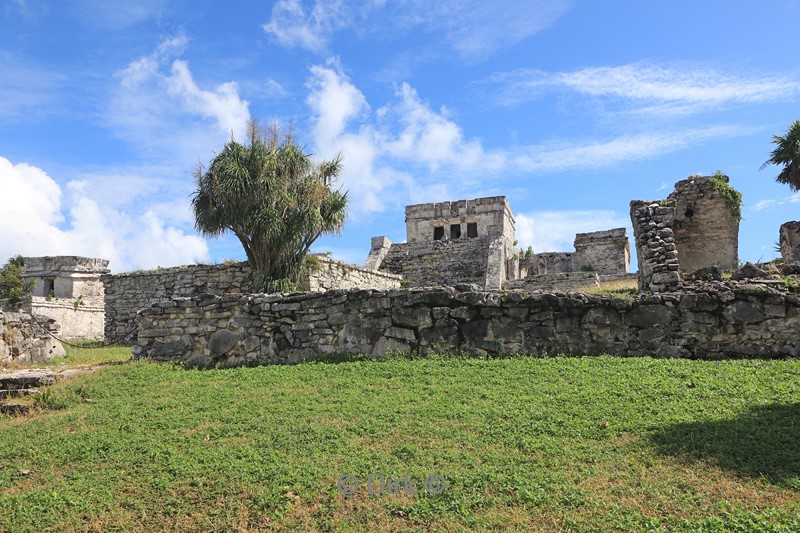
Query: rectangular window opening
x=438, y=233
x=455, y=231
x=472, y=230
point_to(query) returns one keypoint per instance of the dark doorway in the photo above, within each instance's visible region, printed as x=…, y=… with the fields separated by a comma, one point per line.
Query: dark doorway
x=455, y=231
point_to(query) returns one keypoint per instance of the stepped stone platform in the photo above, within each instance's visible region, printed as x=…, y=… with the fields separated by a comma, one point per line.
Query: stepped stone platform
x=20, y=383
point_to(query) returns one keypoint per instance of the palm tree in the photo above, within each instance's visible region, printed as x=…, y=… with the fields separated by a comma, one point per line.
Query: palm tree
x=275, y=200
x=787, y=154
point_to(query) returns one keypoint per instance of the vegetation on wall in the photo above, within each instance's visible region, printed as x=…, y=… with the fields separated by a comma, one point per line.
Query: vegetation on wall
x=275, y=200
x=733, y=198
x=12, y=286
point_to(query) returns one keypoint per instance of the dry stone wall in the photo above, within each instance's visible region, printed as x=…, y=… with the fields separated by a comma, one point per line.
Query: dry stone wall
x=437, y=263
x=127, y=293
x=562, y=281
x=23, y=341
x=655, y=245
x=719, y=320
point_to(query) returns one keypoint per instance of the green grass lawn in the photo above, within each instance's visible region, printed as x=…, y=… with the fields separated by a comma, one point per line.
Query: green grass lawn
x=523, y=443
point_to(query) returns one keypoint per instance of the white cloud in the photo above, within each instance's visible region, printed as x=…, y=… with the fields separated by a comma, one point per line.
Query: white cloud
x=406, y=136
x=161, y=109
x=32, y=217
x=596, y=154
x=381, y=149
x=472, y=28
x=221, y=104
x=554, y=231
x=677, y=88
x=431, y=137
x=762, y=205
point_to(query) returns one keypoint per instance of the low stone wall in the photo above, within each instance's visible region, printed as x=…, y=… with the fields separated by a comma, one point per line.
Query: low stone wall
x=23, y=341
x=562, y=281
x=707, y=320
x=74, y=318
x=127, y=293
x=328, y=274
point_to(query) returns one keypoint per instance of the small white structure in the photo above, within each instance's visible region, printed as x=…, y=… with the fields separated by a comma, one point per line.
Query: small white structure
x=68, y=289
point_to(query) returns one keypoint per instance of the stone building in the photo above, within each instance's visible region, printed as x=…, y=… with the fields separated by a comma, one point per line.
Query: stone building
x=473, y=241
x=447, y=243
x=697, y=226
x=68, y=290
x=605, y=252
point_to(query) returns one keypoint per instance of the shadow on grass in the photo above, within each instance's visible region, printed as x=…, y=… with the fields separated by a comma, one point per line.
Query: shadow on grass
x=764, y=442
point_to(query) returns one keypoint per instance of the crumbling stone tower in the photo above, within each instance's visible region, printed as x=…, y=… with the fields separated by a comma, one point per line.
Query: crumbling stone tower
x=706, y=223
x=447, y=243
x=697, y=226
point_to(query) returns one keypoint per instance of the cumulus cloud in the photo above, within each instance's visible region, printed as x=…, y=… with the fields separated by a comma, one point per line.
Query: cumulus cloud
x=165, y=112
x=554, y=231
x=383, y=148
x=472, y=28
x=407, y=141
x=38, y=217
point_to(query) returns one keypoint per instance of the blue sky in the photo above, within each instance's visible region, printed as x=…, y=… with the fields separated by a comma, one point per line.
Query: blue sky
x=570, y=108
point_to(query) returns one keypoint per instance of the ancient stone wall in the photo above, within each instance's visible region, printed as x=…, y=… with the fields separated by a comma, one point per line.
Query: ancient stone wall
x=655, y=245
x=718, y=320
x=705, y=226
x=561, y=281
x=790, y=242
x=23, y=341
x=605, y=252
x=437, y=263
x=552, y=263
x=126, y=293
x=75, y=318
x=327, y=274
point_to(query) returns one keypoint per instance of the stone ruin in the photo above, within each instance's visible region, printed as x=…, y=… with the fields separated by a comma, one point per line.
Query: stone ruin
x=26, y=339
x=68, y=290
x=473, y=242
x=447, y=243
x=790, y=242
x=598, y=256
x=696, y=227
